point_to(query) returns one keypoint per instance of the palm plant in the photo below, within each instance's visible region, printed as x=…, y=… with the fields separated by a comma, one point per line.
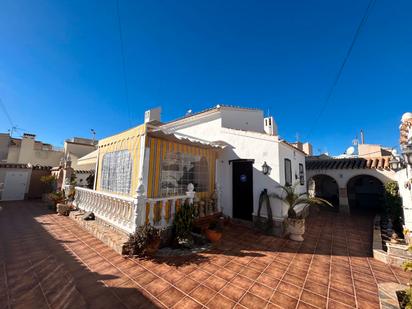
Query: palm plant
x=293, y=199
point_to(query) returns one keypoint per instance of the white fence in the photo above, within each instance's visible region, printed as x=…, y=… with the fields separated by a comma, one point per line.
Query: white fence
x=128, y=213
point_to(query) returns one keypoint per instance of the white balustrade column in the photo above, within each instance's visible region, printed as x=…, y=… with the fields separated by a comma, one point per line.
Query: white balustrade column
x=172, y=211
x=151, y=212
x=163, y=213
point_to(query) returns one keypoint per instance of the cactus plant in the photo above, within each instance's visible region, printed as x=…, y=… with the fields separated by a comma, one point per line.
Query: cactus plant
x=183, y=223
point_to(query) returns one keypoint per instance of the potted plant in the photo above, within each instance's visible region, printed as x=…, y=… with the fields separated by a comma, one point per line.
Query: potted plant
x=295, y=221
x=145, y=241
x=214, y=232
x=57, y=198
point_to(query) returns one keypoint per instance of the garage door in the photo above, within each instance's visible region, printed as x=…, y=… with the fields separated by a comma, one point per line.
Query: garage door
x=14, y=186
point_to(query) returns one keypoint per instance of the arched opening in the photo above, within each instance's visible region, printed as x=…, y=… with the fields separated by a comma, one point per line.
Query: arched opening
x=365, y=194
x=325, y=187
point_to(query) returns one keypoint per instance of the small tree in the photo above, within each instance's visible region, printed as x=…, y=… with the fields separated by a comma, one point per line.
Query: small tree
x=292, y=199
x=50, y=183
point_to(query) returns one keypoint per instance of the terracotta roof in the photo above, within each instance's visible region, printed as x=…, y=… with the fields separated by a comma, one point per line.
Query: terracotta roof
x=314, y=163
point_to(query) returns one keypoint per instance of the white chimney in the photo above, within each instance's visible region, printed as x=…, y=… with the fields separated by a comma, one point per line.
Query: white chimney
x=270, y=126
x=152, y=115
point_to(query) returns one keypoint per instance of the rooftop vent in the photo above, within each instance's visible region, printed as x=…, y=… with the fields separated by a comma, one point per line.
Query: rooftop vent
x=152, y=115
x=270, y=126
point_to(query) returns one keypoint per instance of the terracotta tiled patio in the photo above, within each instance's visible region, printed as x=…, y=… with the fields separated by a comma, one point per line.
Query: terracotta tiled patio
x=47, y=261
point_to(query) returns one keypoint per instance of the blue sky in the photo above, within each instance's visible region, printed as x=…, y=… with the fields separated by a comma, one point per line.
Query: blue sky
x=61, y=66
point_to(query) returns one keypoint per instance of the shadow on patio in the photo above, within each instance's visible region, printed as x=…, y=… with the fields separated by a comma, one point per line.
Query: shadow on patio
x=42, y=265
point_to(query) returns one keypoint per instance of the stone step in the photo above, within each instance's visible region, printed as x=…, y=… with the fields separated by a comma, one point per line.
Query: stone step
x=100, y=229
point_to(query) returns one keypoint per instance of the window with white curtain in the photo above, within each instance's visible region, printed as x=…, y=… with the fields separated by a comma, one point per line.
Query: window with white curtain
x=116, y=172
x=178, y=169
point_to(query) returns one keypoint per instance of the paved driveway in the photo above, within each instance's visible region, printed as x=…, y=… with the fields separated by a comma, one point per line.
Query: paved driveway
x=47, y=261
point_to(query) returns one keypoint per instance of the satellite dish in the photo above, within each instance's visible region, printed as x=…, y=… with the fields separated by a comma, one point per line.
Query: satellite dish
x=350, y=151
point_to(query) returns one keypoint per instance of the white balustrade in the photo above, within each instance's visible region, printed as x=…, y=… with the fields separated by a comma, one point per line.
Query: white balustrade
x=128, y=213
x=119, y=211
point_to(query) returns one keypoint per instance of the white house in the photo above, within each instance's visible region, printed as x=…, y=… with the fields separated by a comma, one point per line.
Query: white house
x=253, y=142
x=228, y=155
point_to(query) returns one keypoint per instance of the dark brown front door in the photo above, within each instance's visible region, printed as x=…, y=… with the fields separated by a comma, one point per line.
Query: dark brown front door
x=243, y=189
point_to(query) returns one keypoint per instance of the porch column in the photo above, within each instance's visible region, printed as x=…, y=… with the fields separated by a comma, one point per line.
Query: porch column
x=343, y=201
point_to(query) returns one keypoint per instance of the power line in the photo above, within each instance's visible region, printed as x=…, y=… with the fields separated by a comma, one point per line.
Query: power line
x=6, y=112
x=126, y=86
x=342, y=66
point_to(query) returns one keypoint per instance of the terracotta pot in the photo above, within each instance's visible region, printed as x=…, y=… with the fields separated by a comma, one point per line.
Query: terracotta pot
x=213, y=236
x=295, y=228
x=152, y=248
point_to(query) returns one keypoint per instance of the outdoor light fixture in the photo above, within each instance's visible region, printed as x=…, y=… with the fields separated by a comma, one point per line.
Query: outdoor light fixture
x=395, y=164
x=265, y=168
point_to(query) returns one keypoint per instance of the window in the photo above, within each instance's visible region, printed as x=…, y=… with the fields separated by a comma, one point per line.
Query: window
x=301, y=174
x=116, y=172
x=288, y=172
x=179, y=169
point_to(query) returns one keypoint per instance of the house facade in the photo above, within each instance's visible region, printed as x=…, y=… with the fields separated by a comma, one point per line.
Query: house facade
x=221, y=159
x=27, y=149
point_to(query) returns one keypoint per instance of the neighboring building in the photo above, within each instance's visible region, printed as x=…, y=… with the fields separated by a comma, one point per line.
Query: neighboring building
x=82, y=154
x=305, y=147
x=229, y=155
x=353, y=181
x=78, y=147
x=27, y=150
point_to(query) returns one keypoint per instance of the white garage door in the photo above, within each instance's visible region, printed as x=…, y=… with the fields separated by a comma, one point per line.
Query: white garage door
x=14, y=186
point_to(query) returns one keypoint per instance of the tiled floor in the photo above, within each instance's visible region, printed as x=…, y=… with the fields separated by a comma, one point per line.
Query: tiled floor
x=47, y=261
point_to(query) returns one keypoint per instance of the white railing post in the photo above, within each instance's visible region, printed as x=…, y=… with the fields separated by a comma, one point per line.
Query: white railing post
x=140, y=205
x=172, y=211
x=151, y=212
x=163, y=213
x=190, y=193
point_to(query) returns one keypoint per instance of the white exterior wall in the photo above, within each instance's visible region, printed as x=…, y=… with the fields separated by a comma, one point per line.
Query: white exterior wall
x=243, y=145
x=403, y=176
x=246, y=120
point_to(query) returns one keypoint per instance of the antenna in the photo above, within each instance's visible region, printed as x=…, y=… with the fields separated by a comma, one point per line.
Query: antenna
x=189, y=112
x=94, y=134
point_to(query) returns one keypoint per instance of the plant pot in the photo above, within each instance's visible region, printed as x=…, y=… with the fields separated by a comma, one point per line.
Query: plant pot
x=295, y=228
x=63, y=209
x=152, y=248
x=213, y=236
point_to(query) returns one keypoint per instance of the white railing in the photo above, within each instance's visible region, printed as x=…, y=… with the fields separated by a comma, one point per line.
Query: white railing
x=128, y=213
x=119, y=211
x=165, y=218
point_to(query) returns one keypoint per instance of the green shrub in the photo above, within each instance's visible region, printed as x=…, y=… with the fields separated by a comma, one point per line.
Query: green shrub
x=393, y=205
x=141, y=239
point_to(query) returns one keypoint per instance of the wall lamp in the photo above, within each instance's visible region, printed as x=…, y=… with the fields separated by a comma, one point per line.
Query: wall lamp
x=266, y=168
